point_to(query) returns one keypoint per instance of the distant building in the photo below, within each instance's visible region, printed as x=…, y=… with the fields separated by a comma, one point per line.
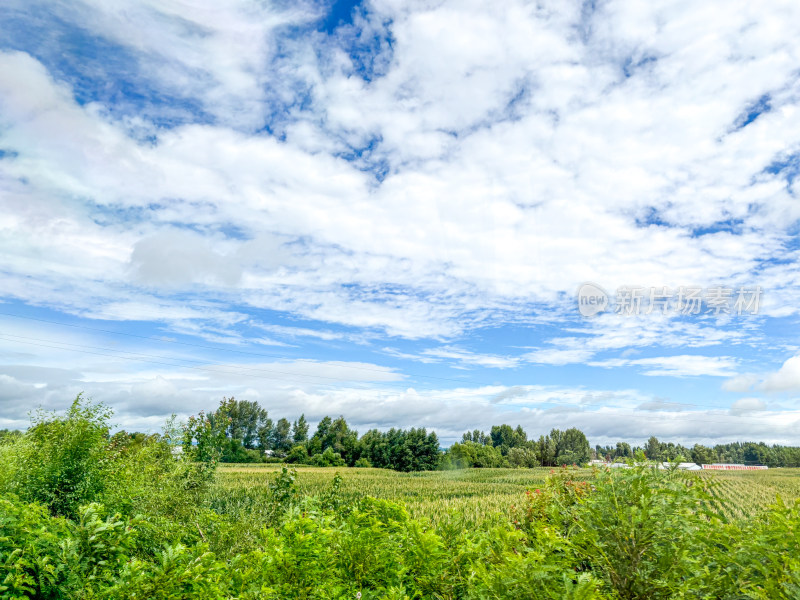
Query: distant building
x=684, y=466
x=733, y=467
x=689, y=466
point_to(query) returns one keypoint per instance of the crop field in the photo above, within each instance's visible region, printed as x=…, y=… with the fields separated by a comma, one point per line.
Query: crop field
x=478, y=494
x=743, y=494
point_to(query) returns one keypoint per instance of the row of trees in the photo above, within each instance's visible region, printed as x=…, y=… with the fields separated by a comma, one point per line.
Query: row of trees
x=507, y=446
x=750, y=453
x=247, y=434
x=241, y=431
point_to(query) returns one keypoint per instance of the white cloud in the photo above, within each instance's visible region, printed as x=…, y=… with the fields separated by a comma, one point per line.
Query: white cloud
x=747, y=405
x=470, y=218
x=787, y=378
x=682, y=365
x=465, y=357
x=740, y=383
x=480, y=167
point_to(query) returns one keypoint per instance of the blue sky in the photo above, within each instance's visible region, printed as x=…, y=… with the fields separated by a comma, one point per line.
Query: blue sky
x=385, y=210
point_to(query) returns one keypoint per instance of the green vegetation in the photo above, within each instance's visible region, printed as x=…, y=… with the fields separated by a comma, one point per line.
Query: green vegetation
x=244, y=433
x=85, y=515
x=480, y=494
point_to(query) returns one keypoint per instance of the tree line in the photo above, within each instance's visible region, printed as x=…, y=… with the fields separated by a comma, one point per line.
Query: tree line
x=241, y=431
x=748, y=453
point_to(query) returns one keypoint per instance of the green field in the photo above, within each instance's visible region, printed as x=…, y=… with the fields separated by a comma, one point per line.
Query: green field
x=84, y=517
x=478, y=494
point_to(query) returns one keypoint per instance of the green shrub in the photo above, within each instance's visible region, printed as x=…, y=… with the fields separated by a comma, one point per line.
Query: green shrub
x=298, y=454
x=639, y=531
x=61, y=461
x=158, y=531
x=46, y=557
x=756, y=559
x=178, y=574
x=329, y=458
x=30, y=548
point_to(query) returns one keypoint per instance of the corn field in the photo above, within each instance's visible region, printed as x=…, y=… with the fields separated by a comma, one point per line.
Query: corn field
x=480, y=494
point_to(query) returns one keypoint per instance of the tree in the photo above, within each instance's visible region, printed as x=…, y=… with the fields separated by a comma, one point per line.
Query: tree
x=522, y=458
x=702, y=455
x=652, y=449
x=623, y=450
x=573, y=448
x=320, y=435
x=300, y=430
x=247, y=421
x=470, y=454
x=329, y=458
x=335, y=434
x=476, y=436
x=298, y=454
x=280, y=437
x=546, y=450
x=505, y=438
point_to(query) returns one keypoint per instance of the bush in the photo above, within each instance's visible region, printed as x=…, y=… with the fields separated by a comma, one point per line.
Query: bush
x=298, y=454
x=52, y=557
x=522, y=458
x=640, y=533
x=329, y=458
x=639, y=530
x=469, y=454
x=62, y=461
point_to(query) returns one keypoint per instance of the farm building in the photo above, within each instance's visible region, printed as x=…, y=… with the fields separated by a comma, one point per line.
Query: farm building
x=733, y=467
x=684, y=466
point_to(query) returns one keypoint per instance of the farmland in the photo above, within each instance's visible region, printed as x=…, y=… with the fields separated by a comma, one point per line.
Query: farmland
x=84, y=516
x=478, y=494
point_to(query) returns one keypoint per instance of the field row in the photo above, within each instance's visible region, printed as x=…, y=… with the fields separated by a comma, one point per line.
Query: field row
x=481, y=493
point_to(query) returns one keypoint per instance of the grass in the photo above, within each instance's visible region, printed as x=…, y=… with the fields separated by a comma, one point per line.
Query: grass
x=479, y=494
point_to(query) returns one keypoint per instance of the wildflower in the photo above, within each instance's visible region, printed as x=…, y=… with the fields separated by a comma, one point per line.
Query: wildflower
x=358, y=595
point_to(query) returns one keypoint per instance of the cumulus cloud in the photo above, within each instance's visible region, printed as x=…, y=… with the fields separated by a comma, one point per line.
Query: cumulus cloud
x=431, y=175
x=747, y=405
x=787, y=378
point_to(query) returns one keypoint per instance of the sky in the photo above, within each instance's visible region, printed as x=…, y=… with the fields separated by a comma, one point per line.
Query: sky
x=400, y=210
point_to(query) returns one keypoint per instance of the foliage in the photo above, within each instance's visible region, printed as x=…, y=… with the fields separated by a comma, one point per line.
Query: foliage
x=336, y=436
x=300, y=430
x=280, y=438
x=298, y=454
x=329, y=458
x=43, y=556
x=165, y=526
x=401, y=450
x=61, y=461
x=470, y=454
x=523, y=458
x=204, y=439
x=638, y=531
